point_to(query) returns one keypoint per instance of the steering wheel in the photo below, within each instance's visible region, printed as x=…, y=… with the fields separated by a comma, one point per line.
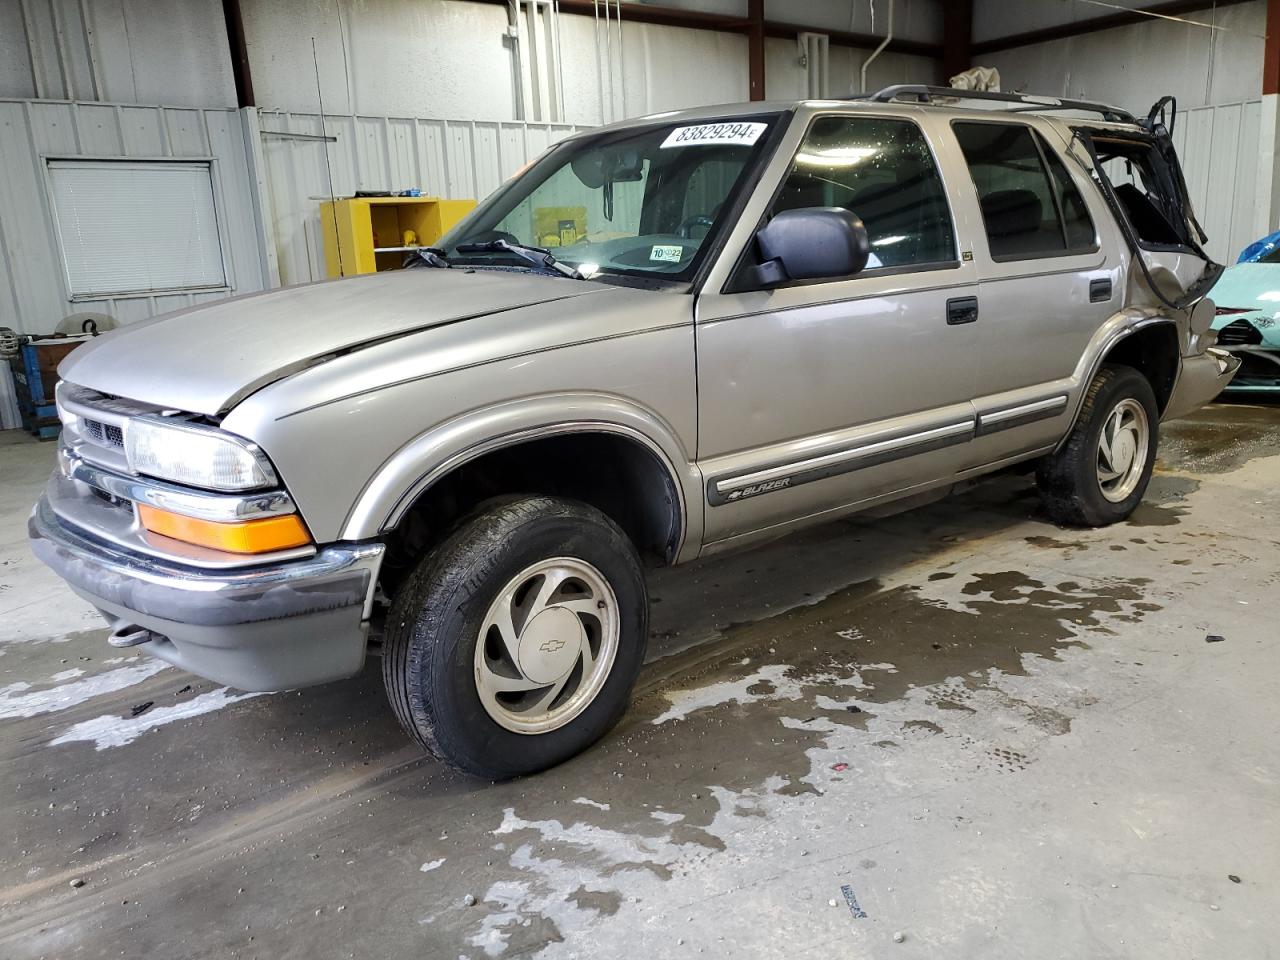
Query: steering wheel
x=686, y=226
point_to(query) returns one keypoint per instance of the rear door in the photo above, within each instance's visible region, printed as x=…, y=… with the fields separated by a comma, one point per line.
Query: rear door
x=1045, y=283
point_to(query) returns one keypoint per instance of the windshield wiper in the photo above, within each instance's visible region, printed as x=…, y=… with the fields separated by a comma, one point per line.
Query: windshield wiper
x=433, y=256
x=538, y=257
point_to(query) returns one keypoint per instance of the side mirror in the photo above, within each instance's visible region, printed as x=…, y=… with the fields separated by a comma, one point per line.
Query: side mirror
x=809, y=244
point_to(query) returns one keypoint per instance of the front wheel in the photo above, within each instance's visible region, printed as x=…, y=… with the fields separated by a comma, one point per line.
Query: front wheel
x=1100, y=474
x=516, y=642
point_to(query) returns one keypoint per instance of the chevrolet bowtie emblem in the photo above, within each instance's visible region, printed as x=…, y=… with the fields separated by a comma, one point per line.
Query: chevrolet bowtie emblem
x=551, y=646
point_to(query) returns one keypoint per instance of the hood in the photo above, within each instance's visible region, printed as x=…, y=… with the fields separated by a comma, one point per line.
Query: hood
x=208, y=358
x=1253, y=288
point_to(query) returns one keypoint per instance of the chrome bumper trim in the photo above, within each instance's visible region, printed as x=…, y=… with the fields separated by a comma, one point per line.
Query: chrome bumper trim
x=337, y=577
x=115, y=521
x=220, y=508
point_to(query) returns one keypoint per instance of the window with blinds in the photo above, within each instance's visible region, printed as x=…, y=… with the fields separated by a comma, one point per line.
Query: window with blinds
x=139, y=227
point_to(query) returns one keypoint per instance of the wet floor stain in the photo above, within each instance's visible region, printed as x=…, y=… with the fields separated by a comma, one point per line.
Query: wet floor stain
x=878, y=672
x=603, y=902
x=864, y=678
x=1050, y=543
x=780, y=707
x=1221, y=438
x=1165, y=501
x=926, y=725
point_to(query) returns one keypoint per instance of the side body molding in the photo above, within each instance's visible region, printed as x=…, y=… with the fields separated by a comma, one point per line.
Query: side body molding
x=433, y=454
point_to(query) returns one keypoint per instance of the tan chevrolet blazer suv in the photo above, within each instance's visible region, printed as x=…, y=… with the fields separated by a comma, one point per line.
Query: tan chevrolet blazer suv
x=662, y=339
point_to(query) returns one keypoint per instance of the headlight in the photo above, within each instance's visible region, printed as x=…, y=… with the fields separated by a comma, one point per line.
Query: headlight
x=195, y=455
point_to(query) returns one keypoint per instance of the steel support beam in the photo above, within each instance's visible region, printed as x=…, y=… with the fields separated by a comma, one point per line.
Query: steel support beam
x=239, y=53
x=697, y=20
x=957, y=38
x=1062, y=31
x=755, y=49
x=1267, y=191
x=859, y=41
x=1271, y=50
x=666, y=16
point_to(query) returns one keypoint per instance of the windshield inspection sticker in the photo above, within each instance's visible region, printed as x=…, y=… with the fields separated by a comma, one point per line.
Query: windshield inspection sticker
x=670, y=254
x=714, y=133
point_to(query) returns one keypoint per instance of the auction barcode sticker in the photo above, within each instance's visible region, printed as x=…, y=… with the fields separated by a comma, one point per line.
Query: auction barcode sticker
x=714, y=133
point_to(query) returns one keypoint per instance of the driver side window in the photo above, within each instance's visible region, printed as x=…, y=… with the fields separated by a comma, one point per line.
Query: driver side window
x=883, y=171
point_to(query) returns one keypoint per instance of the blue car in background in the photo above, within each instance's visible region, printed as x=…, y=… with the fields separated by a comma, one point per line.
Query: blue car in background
x=1248, y=321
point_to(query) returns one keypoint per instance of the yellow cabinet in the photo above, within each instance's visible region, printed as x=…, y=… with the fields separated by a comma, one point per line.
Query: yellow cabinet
x=367, y=234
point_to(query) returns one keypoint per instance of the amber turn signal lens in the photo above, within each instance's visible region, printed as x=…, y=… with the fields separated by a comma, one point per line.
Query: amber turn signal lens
x=250, y=536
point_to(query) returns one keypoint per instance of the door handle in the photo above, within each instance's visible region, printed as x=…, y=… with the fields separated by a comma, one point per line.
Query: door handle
x=962, y=310
x=1099, y=290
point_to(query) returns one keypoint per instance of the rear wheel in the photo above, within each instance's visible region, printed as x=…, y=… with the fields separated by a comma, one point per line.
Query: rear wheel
x=514, y=645
x=1100, y=474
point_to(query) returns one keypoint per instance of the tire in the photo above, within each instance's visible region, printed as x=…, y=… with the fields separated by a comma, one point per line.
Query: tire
x=588, y=588
x=1074, y=482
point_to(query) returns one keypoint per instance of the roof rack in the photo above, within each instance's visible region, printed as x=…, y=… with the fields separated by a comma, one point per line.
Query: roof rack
x=922, y=93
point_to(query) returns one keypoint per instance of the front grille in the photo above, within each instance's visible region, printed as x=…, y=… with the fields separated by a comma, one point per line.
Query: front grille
x=1239, y=333
x=103, y=434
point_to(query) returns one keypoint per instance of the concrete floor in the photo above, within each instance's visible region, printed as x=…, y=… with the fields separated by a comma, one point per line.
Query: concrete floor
x=962, y=725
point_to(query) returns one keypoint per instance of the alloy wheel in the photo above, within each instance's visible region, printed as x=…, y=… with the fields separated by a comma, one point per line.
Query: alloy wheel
x=547, y=645
x=1122, y=450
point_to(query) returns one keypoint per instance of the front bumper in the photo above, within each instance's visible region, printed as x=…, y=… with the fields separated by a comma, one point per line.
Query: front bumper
x=290, y=624
x=1201, y=379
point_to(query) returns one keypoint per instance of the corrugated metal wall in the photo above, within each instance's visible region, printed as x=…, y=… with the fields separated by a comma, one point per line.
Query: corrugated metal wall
x=33, y=285
x=450, y=158
x=1219, y=148
x=454, y=158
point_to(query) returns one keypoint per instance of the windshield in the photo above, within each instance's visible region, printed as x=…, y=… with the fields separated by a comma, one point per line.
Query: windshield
x=638, y=202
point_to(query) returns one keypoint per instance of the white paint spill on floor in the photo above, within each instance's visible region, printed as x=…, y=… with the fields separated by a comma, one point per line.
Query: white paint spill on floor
x=618, y=857
x=612, y=845
x=20, y=700
x=507, y=902
x=588, y=802
x=431, y=865
x=626, y=865
x=685, y=702
x=776, y=682
x=115, y=731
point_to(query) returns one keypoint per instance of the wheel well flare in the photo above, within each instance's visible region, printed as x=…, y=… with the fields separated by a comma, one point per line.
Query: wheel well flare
x=616, y=474
x=1153, y=352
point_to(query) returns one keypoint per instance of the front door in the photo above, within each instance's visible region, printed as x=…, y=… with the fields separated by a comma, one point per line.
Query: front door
x=816, y=395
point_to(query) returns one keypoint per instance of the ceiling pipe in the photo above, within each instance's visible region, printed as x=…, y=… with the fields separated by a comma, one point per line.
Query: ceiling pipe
x=862, y=87
x=555, y=13
x=622, y=65
x=517, y=55
x=595, y=5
